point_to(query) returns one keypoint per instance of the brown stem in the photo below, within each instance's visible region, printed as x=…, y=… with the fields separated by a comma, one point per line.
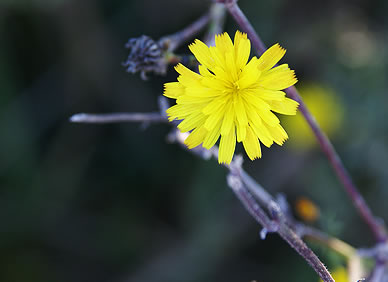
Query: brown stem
x=278, y=225
x=296, y=242
x=325, y=144
x=175, y=40
x=216, y=26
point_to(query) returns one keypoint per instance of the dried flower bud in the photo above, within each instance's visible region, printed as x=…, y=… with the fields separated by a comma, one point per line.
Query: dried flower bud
x=145, y=55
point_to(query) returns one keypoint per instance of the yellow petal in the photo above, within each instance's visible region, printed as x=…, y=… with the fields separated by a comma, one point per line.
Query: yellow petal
x=196, y=137
x=204, y=71
x=214, y=83
x=222, y=75
x=239, y=109
x=188, y=82
x=250, y=74
x=269, y=95
x=215, y=105
x=238, y=37
x=231, y=66
x=217, y=56
x=253, y=116
x=278, y=78
x=214, y=118
x=182, y=111
x=278, y=134
x=192, y=121
x=269, y=117
x=251, y=99
x=241, y=132
x=181, y=69
x=262, y=132
x=242, y=51
x=212, y=136
x=280, y=68
x=271, y=57
x=201, y=53
x=187, y=99
x=228, y=121
x=202, y=91
x=227, y=147
x=173, y=90
x=252, y=145
x=285, y=107
x=224, y=43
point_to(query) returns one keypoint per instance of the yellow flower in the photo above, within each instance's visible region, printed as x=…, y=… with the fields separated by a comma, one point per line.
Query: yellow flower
x=231, y=97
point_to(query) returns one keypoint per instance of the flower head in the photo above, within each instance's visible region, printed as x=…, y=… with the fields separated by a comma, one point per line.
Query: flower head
x=231, y=97
x=145, y=55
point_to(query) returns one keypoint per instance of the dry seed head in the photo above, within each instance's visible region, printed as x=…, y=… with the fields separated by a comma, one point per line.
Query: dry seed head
x=145, y=55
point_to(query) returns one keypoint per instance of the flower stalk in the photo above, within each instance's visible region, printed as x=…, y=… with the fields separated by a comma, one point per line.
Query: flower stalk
x=173, y=41
x=281, y=228
x=374, y=224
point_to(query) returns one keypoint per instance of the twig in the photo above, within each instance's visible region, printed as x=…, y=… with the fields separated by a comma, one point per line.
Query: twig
x=380, y=254
x=301, y=229
x=234, y=182
x=173, y=41
x=306, y=232
x=117, y=117
x=294, y=241
x=378, y=272
x=277, y=225
x=325, y=144
x=333, y=243
x=216, y=26
x=255, y=188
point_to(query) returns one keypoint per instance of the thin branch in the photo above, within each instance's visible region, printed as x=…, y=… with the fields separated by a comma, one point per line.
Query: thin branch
x=377, y=273
x=296, y=242
x=216, y=26
x=255, y=188
x=380, y=254
x=325, y=144
x=118, y=117
x=234, y=182
x=277, y=225
x=333, y=243
x=302, y=230
x=173, y=41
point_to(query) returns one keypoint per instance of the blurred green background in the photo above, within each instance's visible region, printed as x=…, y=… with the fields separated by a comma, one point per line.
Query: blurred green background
x=117, y=202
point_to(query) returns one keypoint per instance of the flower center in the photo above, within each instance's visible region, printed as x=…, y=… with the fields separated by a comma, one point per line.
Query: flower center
x=236, y=86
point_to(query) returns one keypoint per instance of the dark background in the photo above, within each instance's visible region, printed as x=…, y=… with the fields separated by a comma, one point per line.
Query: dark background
x=117, y=202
